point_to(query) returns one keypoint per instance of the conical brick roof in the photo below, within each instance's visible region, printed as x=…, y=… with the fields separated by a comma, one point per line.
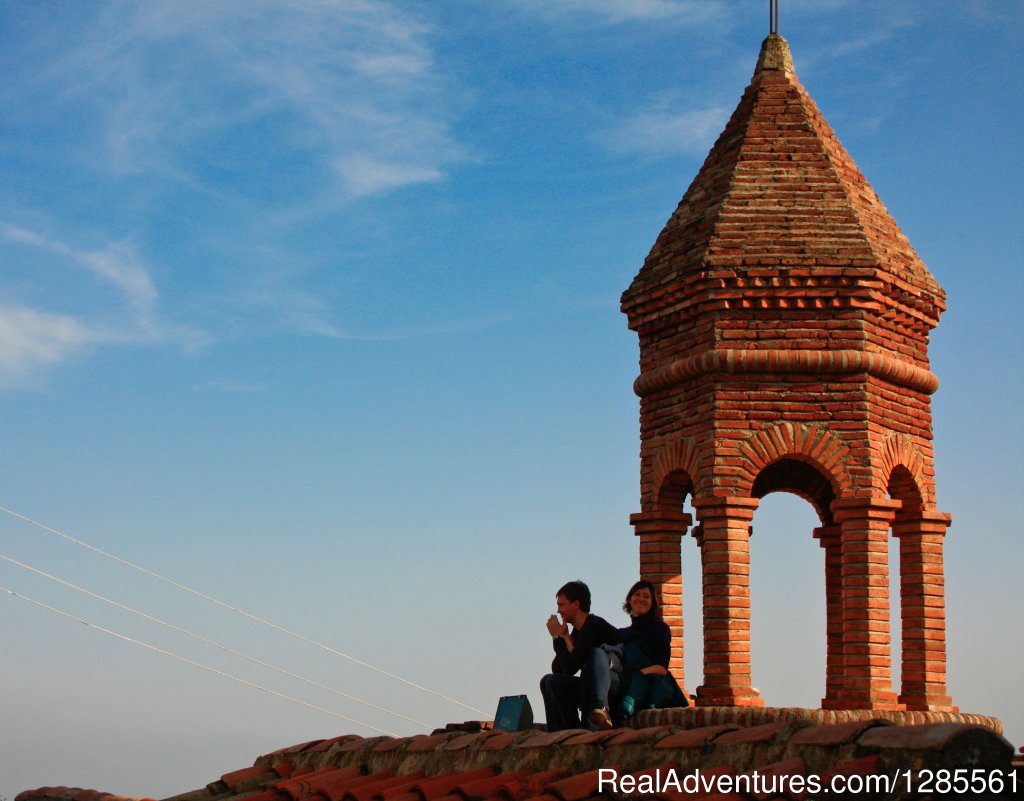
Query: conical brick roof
x=778, y=190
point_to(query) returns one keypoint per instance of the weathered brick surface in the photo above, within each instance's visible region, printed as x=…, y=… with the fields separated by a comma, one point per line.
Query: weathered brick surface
x=783, y=322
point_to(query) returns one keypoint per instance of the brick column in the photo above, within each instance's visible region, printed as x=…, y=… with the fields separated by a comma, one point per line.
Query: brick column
x=661, y=535
x=923, y=610
x=867, y=671
x=829, y=537
x=725, y=561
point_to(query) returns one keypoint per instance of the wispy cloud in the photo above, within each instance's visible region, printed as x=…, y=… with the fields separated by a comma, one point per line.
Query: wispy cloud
x=241, y=86
x=365, y=174
x=219, y=128
x=613, y=12
x=662, y=130
x=32, y=336
x=117, y=264
x=275, y=297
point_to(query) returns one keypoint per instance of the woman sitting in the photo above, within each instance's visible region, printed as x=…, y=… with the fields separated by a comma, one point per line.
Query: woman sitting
x=646, y=682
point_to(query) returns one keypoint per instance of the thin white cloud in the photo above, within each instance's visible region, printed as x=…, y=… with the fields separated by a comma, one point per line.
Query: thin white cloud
x=30, y=338
x=614, y=12
x=182, y=91
x=364, y=174
x=33, y=337
x=660, y=131
x=118, y=264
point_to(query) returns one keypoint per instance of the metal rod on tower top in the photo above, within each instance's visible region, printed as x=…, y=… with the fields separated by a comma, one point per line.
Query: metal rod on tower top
x=773, y=16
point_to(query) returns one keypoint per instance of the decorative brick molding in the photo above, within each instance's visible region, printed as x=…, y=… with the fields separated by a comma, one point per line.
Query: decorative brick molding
x=899, y=450
x=692, y=717
x=681, y=455
x=818, y=446
x=814, y=362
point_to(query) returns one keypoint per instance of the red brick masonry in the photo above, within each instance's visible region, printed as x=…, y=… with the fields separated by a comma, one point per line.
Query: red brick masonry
x=783, y=323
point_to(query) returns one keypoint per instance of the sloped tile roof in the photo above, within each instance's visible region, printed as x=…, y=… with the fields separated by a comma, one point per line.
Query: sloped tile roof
x=777, y=189
x=468, y=762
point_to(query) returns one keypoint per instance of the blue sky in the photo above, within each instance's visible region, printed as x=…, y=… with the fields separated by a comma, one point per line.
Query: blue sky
x=314, y=307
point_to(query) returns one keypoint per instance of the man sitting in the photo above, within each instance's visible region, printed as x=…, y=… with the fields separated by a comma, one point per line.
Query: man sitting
x=578, y=651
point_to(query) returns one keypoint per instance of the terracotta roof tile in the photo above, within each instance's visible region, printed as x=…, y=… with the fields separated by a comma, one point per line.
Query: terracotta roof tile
x=296, y=749
x=268, y=795
x=578, y=787
x=334, y=783
x=382, y=787
x=530, y=785
x=706, y=778
x=927, y=736
x=442, y=785
x=591, y=737
x=695, y=738
x=551, y=738
x=471, y=739
x=429, y=742
x=362, y=744
x=654, y=775
x=302, y=784
x=835, y=733
x=394, y=743
x=324, y=745
x=864, y=766
x=755, y=734
x=650, y=734
x=485, y=788
x=499, y=741
x=71, y=794
x=780, y=772
x=245, y=776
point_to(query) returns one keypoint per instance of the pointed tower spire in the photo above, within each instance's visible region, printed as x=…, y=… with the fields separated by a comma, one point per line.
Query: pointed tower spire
x=783, y=320
x=774, y=55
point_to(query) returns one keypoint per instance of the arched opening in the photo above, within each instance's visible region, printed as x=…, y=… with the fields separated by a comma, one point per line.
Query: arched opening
x=665, y=549
x=693, y=603
x=788, y=601
x=902, y=487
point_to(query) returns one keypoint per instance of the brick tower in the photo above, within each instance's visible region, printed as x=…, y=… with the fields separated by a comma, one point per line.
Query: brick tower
x=783, y=320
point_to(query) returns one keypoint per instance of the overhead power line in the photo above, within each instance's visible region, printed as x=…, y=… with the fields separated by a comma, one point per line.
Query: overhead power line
x=208, y=641
x=254, y=618
x=126, y=638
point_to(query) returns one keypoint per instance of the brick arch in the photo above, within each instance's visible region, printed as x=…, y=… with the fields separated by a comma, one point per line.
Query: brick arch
x=680, y=455
x=816, y=446
x=800, y=478
x=899, y=451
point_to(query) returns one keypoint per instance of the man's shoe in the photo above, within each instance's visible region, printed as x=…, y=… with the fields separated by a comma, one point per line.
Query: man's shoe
x=601, y=719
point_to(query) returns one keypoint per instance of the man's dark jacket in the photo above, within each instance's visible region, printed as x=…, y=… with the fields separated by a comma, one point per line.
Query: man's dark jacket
x=595, y=632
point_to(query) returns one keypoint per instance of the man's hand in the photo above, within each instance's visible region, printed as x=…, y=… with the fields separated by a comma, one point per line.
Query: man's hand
x=556, y=628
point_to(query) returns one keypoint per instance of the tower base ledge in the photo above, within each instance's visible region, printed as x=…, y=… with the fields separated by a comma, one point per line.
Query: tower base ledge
x=694, y=717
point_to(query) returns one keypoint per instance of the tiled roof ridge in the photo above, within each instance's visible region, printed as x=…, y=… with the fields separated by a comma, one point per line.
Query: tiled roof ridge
x=73, y=794
x=459, y=764
x=563, y=765
x=690, y=717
